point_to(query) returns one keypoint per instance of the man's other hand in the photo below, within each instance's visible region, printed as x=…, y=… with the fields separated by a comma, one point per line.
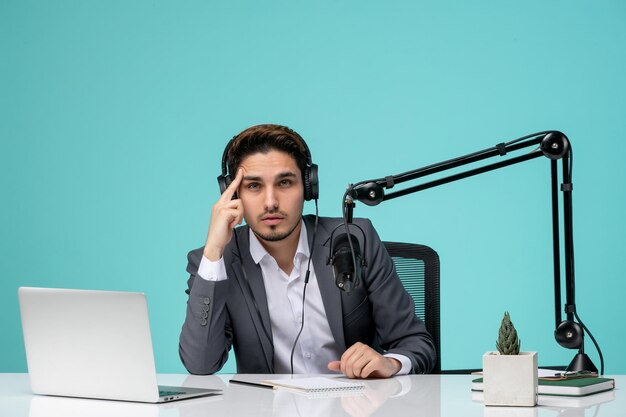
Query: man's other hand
x=361, y=361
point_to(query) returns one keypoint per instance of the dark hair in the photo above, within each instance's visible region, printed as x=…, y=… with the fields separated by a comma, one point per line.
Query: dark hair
x=263, y=139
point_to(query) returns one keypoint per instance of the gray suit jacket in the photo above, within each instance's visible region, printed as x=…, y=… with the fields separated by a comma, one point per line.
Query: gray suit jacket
x=379, y=312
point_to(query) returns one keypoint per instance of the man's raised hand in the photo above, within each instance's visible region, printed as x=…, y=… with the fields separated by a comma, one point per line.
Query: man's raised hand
x=225, y=215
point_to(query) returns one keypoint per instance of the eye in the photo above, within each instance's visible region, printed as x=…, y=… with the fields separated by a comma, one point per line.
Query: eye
x=285, y=183
x=253, y=186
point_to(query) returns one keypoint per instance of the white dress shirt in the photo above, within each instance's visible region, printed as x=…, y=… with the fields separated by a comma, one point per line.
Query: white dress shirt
x=316, y=345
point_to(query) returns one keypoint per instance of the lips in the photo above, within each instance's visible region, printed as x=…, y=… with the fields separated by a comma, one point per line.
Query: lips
x=271, y=220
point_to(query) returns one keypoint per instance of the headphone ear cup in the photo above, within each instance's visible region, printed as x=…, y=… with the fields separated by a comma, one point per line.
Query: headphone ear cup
x=311, y=183
x=223, y=181
x=569, y=334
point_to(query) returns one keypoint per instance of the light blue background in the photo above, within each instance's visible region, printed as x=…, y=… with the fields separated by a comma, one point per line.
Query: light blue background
x=114, y=115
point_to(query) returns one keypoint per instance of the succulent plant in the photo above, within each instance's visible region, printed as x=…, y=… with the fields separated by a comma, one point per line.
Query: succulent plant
x=508, y=343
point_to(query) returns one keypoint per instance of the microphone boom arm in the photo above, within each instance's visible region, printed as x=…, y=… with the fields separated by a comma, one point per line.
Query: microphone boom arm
x=551, y=144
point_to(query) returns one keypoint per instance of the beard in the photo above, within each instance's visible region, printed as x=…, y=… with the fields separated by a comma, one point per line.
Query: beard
x=274, y=235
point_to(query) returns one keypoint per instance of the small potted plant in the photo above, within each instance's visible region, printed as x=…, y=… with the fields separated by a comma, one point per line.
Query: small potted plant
x=509, y=376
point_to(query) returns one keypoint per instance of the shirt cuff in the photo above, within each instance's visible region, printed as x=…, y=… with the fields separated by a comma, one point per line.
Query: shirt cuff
x=406, y=362
x=212, y=270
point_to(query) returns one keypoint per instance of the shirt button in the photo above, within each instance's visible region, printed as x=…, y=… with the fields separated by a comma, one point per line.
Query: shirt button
x=307, y=355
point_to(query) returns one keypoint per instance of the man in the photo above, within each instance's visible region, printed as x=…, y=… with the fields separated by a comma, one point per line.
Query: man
x=266, y=289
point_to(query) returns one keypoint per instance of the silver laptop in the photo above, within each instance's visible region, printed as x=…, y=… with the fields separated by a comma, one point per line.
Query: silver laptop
x=92, y=344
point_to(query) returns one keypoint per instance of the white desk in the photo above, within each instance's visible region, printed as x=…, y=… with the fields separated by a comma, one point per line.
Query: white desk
x=408, y=396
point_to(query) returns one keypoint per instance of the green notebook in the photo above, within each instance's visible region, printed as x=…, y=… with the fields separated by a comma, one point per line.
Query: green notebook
x=574, y=387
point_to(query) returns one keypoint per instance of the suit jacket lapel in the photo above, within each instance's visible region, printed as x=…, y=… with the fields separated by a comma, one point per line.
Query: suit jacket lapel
x=255, y=285
x=331, y=295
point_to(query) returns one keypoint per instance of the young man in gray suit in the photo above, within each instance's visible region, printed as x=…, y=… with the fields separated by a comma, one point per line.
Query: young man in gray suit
x=266, y=289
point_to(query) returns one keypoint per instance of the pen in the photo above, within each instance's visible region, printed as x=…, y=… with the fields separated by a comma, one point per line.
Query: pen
x=575, y=374
x=254, y=384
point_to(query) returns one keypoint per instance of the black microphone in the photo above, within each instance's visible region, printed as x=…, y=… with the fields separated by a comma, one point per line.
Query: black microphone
x=345, y=271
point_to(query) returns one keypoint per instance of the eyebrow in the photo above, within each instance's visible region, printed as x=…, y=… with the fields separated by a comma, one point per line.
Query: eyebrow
x=286, y=174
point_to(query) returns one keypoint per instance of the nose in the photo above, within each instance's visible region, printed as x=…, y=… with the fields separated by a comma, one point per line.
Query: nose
x=271, y=199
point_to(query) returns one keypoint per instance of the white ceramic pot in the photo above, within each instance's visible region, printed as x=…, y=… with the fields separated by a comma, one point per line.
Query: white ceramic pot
x=510, y=379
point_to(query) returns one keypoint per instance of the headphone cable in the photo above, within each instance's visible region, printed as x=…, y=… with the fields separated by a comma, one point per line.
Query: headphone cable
x=306, y=281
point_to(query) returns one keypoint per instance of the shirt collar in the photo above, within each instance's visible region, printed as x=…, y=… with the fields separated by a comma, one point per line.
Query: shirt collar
x=258, y=252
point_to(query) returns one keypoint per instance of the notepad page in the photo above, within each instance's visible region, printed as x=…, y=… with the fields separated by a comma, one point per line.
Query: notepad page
x=316, y=384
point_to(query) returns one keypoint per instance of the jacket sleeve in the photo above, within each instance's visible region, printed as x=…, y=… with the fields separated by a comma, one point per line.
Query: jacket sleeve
x=206, y=335
x=398, y=329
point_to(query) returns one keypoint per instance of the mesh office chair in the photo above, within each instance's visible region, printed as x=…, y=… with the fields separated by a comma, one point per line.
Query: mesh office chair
x=418, y=269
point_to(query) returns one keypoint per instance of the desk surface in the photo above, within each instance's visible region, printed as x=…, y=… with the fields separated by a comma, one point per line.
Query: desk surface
x=414, y=395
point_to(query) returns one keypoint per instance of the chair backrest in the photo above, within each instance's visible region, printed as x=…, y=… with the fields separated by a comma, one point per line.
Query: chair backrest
x=418, y=269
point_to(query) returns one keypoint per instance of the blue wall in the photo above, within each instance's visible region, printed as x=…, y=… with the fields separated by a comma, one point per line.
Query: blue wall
x=114, y=115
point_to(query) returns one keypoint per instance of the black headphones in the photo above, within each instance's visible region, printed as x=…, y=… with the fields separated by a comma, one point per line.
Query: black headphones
x=311, y=182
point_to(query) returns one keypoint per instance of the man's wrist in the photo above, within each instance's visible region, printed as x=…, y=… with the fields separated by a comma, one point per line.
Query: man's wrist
x=395, y=365
x=212, y=254
x=404, y=361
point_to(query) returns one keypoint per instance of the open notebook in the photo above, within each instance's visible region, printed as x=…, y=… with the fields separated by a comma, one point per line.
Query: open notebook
x=316, y=385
